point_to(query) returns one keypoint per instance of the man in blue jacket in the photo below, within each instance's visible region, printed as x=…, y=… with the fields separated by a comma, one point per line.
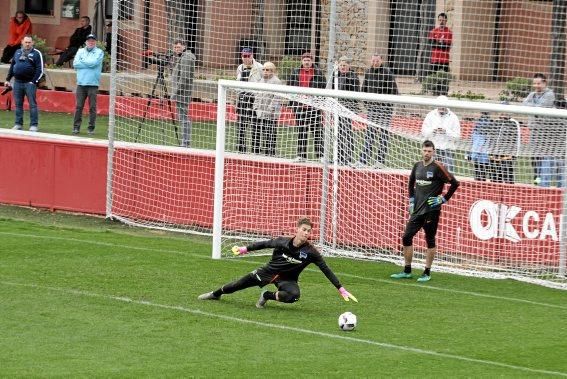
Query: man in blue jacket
x=88, y=63
x=26, y=69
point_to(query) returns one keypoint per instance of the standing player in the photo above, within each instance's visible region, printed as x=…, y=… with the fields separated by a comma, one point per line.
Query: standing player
x=426, y=182
x=290, y=257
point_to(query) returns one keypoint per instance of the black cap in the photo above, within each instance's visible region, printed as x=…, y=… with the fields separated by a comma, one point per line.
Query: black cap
x=91, y=36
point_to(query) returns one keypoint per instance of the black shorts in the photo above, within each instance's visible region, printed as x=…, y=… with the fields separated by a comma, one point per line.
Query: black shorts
x=265, y=277
x=428, y=221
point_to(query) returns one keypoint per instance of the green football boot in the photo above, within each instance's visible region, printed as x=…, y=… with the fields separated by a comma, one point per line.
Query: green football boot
x=424, y=278
x=401, y=275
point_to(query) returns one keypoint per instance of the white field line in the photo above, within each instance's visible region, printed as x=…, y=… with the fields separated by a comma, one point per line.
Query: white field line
x=249, y=261
x=291, y=329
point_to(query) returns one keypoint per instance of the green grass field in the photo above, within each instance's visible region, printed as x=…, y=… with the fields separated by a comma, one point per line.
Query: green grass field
x=85, y=297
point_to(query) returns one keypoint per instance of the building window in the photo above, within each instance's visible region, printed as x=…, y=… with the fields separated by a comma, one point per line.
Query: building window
x=299, y=24
x=108, y=8
x=43, y=7
x=125, y=9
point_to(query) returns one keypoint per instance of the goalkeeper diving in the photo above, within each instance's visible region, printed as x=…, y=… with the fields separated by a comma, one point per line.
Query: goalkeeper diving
x=290, y=257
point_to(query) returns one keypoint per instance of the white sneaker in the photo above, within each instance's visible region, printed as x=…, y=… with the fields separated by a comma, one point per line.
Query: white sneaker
x=34, y=128
x=208, y=296
x=261, y=303
x=17, y=127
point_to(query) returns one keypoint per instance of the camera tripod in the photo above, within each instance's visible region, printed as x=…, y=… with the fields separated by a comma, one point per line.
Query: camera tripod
x=162, y=88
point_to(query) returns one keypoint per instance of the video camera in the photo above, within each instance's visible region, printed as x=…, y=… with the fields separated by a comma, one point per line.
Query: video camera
x=6, y=90
x=160, y=59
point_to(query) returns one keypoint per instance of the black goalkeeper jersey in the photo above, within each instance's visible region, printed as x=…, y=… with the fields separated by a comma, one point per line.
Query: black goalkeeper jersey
x=428, y=181
x=289, y=261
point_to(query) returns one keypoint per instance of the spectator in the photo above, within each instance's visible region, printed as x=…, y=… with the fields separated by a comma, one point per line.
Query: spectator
x=346, y=80
x=249, y=71
x=441, y=39
x=108, y=38
x=542, y=132
x=307, y=118
x=20, y=26
x=267, y=106
x=378, y=79
x=76, y=41
x=182, y=76
x=479, y=150
x=88, y=64
x=504, y=148
x=26, y=69
x=443, y=128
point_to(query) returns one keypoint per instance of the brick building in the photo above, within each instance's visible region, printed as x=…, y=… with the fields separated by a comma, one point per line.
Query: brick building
x=493, y=40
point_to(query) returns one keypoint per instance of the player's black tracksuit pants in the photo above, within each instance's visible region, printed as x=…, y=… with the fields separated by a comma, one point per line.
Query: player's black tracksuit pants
x=288, y=290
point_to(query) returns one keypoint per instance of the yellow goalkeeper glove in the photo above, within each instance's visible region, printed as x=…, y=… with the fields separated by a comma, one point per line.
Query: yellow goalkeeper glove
x=236, y=250
x=347, y=295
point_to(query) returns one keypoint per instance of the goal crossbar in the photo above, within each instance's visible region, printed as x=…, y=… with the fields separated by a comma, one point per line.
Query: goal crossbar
x=395, y=99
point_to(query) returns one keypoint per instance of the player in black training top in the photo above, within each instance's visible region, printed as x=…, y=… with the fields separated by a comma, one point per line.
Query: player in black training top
x=290, y=257
x=426, y=182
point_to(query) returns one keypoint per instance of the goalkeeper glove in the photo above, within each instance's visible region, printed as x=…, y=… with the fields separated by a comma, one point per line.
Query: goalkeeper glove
x=346, y=295
x=411, y=205
x=239, y=250
x=436, y=200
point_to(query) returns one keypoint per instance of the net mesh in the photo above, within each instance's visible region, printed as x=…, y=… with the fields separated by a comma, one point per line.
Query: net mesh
x=498, y=224
x=491, y=42
x=163, y=121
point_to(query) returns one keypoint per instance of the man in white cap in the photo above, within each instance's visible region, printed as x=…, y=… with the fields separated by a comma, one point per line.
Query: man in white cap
x=443, y=128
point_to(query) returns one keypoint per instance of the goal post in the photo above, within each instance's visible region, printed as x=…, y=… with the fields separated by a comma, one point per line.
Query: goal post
x=219, y=173
x=500, y=226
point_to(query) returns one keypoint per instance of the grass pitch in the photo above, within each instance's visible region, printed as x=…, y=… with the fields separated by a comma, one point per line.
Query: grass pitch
x=86, y=297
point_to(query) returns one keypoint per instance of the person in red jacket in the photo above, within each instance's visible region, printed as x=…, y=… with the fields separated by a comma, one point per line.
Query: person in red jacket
x=20, y=26
x=441, y=39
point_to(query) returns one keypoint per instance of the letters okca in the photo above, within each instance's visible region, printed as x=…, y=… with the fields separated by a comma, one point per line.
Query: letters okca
x=489, y=220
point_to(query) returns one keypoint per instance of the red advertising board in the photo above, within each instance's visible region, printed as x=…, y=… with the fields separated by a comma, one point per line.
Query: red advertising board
x=484, y=221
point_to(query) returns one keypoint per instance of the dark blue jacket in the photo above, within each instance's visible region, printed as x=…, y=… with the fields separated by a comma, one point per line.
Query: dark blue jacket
x=26, y=70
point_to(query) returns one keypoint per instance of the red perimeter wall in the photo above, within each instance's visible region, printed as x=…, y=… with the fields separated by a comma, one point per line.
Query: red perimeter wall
x=55, y=174
x=69, y=173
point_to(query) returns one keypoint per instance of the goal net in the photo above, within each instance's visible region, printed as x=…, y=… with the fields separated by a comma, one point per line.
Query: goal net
x=163, y=111
x=354, y=187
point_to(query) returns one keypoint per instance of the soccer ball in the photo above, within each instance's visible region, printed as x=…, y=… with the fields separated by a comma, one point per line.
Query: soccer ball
x=347, y=321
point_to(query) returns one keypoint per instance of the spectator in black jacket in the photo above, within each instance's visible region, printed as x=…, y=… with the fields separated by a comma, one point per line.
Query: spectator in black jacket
x=346, y=80
x=378, y=79
x=307, y=117
x=76, y=41
x=26, y=69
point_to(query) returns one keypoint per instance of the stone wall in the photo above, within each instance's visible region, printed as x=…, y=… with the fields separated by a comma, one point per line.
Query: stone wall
x=351, y=32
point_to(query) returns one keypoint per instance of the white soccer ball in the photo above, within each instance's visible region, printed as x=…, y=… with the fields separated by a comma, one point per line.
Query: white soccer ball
x=347, y=321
